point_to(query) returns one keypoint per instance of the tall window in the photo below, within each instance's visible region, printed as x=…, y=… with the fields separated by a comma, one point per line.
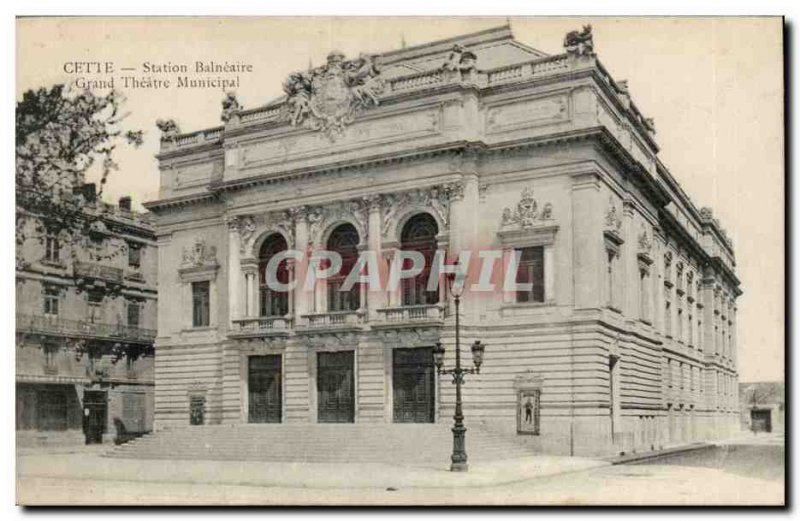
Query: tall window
x=667, y=317
x=419, y=234
x=134, y=311
x=51, y=301
x=94, y=299
x=201, y=305
x=644, y=294
x=134, y=255
x=699, y=333
x=531, y=271
x=52, y=249
x=344, y=241
x=273, y=303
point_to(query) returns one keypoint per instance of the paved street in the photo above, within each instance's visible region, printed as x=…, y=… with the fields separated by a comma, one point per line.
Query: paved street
x=749, y=471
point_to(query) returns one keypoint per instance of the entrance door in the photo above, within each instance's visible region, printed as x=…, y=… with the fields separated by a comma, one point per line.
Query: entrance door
x=761, y=420
x=95, y=413
x=413, y=383
x=335, y=387
x=264, y=388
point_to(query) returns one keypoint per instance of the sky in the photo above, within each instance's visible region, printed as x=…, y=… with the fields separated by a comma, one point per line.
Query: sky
x=713, y=85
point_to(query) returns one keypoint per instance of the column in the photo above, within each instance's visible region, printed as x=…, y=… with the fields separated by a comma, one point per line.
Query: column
x=235, y=297
x=301, y=296
x=589, y=262
x=391, y=297
x=374, y=295
x=249, y=268
x=630, y=276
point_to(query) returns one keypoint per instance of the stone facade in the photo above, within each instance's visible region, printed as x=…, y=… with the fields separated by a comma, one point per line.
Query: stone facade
x=85, y=330
x=627, y=341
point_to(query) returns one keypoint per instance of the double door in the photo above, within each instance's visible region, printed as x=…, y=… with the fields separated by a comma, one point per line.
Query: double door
x=413, y=382
x=264, y=389
x=335, y=387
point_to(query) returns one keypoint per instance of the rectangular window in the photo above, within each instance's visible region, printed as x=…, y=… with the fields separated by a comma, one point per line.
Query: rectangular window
x=667, y=318
x=531, y=271
x=699, y=334
x=51, y=302
x=52, y=249
x=95, y=301
x=134, y=255
x=200, y=304
x=133, y=313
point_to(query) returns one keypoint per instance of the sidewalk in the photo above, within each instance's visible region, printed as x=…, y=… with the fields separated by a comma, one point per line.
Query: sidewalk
x=88, y=466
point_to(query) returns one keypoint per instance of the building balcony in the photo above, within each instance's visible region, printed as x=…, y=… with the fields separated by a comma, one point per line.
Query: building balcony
x=92, y=273
x=428, y=314
x=333, y=320
x=262, y=326
x=60, y=327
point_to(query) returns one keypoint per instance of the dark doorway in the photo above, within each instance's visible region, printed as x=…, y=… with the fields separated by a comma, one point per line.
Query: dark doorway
x=95, y=415
x=264, y=388
x=761, y=420
x=335, y=387
x=413, y=383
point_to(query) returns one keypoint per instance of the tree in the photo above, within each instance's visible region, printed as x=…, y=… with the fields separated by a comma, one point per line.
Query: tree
x=62, y=135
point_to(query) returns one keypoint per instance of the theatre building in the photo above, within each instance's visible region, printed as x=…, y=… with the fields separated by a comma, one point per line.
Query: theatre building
x=622, y=336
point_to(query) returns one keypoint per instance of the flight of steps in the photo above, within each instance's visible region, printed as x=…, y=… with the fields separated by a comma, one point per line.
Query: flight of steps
x=321, y=443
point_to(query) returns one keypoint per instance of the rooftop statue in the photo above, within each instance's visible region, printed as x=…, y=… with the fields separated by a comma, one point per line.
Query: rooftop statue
x=328, y=98
x=460, y=59
x=169, y=129
x=579, y=43
x=230, y=107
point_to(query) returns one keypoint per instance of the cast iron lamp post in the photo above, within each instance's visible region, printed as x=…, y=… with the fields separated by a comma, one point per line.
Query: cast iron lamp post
x=459, y=457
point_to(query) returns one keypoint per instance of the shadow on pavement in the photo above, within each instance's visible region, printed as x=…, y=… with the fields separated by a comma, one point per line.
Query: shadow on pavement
x=743, y=459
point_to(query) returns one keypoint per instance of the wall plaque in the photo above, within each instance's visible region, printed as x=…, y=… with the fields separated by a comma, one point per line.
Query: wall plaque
x=511, y=116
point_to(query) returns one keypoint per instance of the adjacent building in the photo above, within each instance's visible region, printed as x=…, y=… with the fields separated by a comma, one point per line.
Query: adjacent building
x=623, y=339
x=86, y=322
x=763, y=406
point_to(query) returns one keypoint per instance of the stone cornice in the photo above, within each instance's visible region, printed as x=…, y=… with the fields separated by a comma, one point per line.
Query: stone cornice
x=356, y=164
x=181, y=201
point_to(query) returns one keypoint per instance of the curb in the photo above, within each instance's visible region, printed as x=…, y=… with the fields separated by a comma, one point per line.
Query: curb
x=645, y=456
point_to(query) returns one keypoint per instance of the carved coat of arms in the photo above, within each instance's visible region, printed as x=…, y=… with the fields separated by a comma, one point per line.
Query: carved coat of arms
x=526, y=212
x=327, y=98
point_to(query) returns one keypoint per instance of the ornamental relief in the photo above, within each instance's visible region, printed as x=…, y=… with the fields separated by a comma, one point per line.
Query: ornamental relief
x=644, y=242
x=613, y=222
x=327, y=98
x=199, y=254
x=436, y=198
x=320, y=218
x=526, y=213
x=250, y=228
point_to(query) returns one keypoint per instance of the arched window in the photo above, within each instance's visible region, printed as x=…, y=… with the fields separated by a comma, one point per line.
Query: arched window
x=344, y=241
x=272, y=303
x=419, y=234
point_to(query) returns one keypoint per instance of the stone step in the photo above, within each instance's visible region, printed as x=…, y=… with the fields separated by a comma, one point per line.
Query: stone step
x=320, y=443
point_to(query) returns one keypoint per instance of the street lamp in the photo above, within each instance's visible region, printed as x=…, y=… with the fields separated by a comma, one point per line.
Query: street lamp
x=459, y=457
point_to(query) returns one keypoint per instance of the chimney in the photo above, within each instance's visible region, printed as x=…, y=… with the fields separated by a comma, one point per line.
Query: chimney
x=88, y=191
x=125, y=203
